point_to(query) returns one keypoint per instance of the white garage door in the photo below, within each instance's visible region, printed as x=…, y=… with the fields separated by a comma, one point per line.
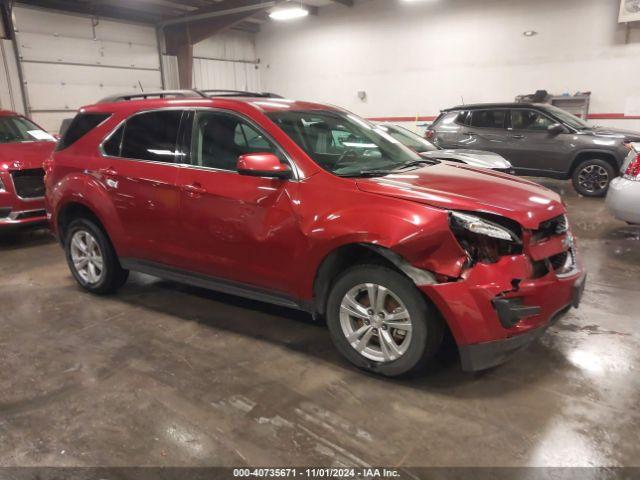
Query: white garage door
x=70, y=60
x=10, y=96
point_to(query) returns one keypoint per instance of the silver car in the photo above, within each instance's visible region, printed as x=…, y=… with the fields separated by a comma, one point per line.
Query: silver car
x=426, y=149
x=623, y=198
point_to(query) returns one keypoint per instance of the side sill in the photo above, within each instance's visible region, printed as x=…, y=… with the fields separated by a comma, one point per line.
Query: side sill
x=211, y=283
x=532, y=172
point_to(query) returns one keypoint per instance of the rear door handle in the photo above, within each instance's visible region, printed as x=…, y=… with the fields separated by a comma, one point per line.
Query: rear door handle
x=469, y=133
x=519, y=137
x=109, y=171
x=195, y=189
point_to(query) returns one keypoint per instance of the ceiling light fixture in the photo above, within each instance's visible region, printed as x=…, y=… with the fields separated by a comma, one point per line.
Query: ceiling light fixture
x=529, y=33
x=289, y=11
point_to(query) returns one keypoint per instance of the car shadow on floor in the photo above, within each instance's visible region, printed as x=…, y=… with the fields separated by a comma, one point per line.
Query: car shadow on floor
x=21, y=239
x=274, y=324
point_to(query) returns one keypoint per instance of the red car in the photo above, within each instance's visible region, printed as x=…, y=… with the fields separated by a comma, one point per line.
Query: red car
x=311, y=207
x=23, y=148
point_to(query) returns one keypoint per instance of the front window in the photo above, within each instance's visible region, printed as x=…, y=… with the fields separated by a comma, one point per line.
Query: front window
x=407, y=137
x=345, y=144
x=15, y=129
x=529, y=120
x=567, y=118
x=219, y=139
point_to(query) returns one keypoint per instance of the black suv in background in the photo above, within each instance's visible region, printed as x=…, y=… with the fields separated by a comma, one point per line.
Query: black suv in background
x=539, y=140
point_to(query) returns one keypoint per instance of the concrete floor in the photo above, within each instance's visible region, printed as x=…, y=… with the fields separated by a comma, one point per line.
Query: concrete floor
x=163, y=374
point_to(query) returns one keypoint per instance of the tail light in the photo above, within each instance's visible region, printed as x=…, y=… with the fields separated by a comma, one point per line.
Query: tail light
x=633, y=170
x=429, y=134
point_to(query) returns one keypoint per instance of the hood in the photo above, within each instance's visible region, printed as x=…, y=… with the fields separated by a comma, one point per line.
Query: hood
x=475, y=158
x=24, y=155
x=460, y=187
x=626, y=135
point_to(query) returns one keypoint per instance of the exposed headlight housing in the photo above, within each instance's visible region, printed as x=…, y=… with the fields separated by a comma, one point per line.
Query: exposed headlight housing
x=485, y=240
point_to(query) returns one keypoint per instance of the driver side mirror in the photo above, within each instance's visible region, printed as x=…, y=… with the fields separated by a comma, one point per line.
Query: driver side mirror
x=263, y=165
x=556, y=129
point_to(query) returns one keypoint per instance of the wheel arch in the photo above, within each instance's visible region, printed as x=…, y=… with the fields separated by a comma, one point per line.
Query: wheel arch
x=73, y=210
x=593, y=154
x=348, y=255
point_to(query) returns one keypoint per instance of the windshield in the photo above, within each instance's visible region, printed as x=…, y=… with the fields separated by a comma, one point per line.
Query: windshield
x=15, y=129
x=567, y=118
x=409, y=139
x=344, y=144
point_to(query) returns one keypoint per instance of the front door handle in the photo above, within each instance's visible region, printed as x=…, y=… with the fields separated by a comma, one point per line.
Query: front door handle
x=194, y=190
x=519, y=137
x=470, y=133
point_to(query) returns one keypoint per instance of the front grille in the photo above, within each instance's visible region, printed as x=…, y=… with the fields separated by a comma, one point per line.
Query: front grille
x=563, y=264
x=29, y=183
x=557, y=261
x=550, y=228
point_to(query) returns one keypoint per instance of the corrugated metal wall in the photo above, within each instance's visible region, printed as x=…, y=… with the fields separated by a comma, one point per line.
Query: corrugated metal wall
x=227, y=61
x=69, y=61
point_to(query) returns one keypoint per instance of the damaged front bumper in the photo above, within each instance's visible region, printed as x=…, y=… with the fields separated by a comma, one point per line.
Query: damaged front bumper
x=498, y=309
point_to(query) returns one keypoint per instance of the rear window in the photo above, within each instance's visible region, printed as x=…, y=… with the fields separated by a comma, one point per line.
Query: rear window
x=152, y=136
x=488, y=118
x=82, y=124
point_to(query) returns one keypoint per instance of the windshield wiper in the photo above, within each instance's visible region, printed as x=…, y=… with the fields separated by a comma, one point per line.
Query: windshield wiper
x=419, y=163
x=368, y=173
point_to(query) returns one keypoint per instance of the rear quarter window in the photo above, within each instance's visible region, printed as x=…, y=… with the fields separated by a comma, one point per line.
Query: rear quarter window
x=449, y=119
x=82, y=124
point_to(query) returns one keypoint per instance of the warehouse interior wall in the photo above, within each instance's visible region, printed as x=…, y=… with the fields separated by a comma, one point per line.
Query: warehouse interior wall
x=415, y=58
x=227, y=61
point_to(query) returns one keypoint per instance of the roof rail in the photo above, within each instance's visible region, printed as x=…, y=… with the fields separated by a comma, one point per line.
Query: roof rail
x=239, y=93
x=159, y=94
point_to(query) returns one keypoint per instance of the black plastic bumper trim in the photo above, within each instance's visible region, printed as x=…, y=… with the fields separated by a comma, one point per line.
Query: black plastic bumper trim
x=481, y=356
x=511, y=310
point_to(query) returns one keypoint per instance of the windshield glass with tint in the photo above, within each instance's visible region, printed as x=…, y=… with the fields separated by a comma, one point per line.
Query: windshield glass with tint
x=567, y=118
x=18, y=129
x=344, y=144
x=407, y=137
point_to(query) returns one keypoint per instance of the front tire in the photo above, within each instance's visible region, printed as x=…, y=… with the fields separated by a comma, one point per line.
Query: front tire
x=592, y=177
x=92, y=259
x=381, y=323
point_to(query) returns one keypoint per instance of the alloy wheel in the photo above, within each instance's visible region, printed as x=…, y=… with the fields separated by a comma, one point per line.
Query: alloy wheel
x=87, y=257
x=593, y=178
x=375, y=322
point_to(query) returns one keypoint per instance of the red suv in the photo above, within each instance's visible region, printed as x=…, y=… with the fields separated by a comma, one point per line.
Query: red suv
x=24, y=146
x=311, y=207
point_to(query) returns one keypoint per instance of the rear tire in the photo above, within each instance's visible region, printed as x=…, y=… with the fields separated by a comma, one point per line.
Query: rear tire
x=92, y=259
x=592, y=177
x=397, y=335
